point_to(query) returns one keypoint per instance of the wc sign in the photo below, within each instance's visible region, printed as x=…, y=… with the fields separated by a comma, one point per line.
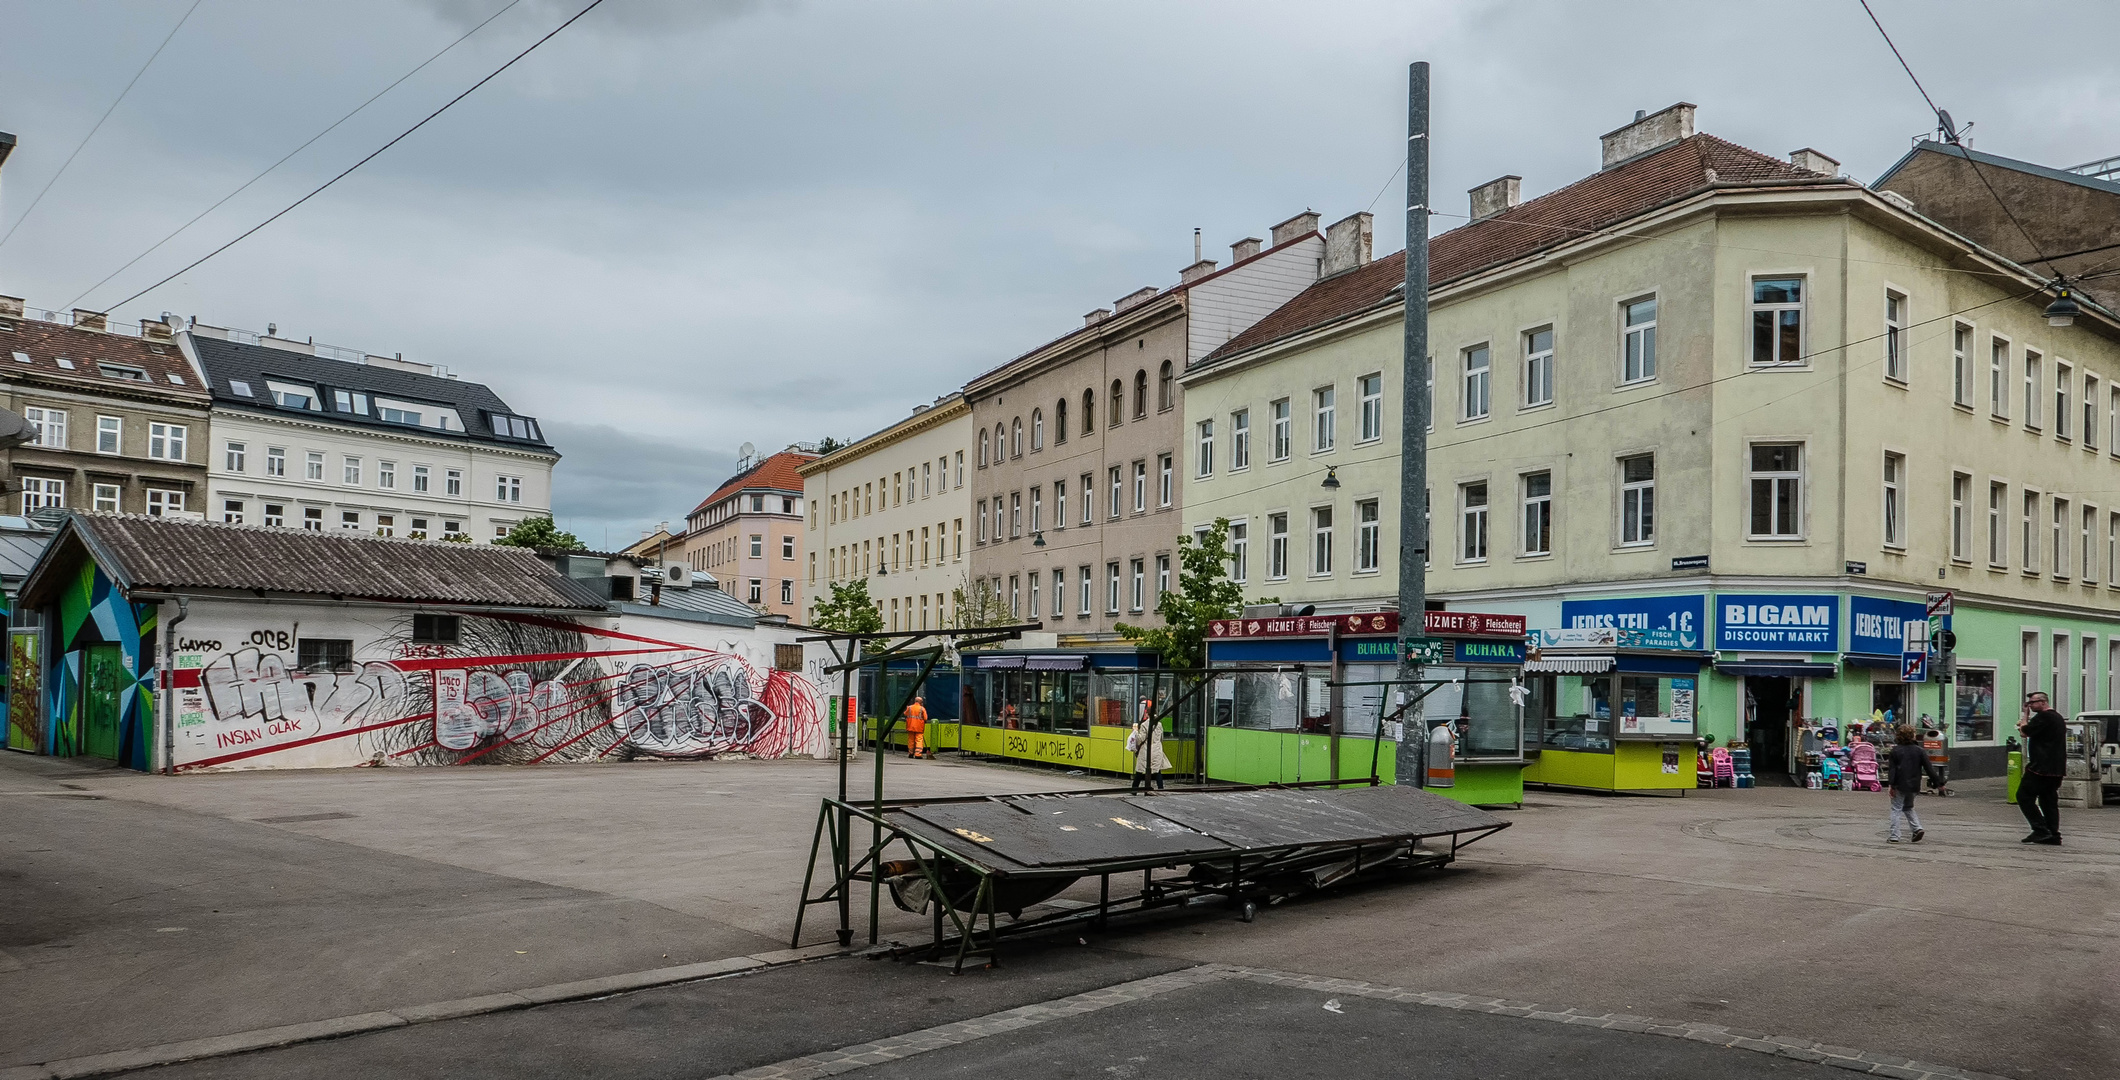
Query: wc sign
x=1777, y=622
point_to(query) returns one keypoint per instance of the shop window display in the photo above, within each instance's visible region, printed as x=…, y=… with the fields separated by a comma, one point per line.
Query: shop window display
x=1976, y=705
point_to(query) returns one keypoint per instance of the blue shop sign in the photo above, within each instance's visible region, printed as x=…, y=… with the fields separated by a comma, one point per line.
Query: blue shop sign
x=1777, y=622
x=1671, y=622
x=1473, y=651
x=1878, y=626
x=1369, y=650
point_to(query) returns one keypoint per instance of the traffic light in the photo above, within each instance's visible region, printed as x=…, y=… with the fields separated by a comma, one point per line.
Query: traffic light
x=1948, y=639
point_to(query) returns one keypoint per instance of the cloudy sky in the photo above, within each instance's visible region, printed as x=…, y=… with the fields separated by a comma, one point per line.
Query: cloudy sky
x=687, y=224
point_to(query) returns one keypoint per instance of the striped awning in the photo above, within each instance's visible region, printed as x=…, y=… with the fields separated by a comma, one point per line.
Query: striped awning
x=1569, y=665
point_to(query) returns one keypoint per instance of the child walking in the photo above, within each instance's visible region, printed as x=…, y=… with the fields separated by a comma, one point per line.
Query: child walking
x=1909, y=761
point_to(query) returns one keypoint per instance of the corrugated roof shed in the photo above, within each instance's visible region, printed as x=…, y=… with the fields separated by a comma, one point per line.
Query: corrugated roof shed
x=155, y=554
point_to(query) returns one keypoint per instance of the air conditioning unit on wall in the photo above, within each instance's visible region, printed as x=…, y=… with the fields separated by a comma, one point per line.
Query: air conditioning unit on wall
x=676, y=576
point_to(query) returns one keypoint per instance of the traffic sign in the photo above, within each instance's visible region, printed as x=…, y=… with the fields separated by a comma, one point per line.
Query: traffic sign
x=1939, y=603
x=1914, y=667
x=1427, y=650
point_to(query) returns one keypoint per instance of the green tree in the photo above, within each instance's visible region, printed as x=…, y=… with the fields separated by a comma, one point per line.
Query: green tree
x=541, y=533
x=972, y=608
x=1204, y=594
x=828, y=444
x=456, y=538
x=849, y=609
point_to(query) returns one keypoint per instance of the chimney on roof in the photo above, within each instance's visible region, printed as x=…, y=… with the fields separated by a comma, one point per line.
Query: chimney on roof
x=1497, y=195
x=85, y=319
x=1097, y=316
x=1813, y=161
x=155, y=330
x=1244, y=249
x=1648, y=134
x=11, y=307
x=1134, y=298
x=1347, y=244
x=1300, y=225
x=1196, y=271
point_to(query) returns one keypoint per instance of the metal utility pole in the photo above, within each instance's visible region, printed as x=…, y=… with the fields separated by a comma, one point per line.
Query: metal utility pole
x=1413, y=427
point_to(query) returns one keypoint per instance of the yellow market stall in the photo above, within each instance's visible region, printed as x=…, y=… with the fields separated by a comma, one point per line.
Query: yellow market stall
x=1614, y=708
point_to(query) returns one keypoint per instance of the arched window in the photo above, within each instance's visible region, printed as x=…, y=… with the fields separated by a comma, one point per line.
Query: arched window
x=1037, y=429
x=1089, y=411
x=1118, y=404
x=1140, y=393
x=1015, y=446
x=982, y=448
x=1000, y=444
x=1060, y=421
x=1165, y=388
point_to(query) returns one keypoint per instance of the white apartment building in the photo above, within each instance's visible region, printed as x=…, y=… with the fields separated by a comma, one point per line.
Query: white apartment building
x=894, y=507
x=311, y=437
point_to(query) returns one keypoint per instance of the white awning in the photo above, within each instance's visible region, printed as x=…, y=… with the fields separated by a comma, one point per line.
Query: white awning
x=1569, y=665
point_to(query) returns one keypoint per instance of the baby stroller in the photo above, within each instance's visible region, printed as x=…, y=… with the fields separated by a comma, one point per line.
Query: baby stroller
x=1831, y=775
x=1864, y=768
x=1725, y=772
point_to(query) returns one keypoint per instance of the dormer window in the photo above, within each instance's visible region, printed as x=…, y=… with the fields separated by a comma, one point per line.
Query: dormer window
x=175, y=379
x=65, y=363
x=514, y=426
x=350, y=402
x=239, y=388
x=120, y=371
x=294, y=395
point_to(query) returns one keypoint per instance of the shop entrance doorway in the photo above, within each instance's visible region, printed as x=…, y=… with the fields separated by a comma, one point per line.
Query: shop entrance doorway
x=1890, y=699
x=1768, y=709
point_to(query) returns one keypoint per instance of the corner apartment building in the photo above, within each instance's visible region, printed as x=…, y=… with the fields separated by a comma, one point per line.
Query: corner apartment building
x=894, y=507
x=1075, y=457
x=315, y=437
x=117, y=422
x=748, y=534
x=1711, y=392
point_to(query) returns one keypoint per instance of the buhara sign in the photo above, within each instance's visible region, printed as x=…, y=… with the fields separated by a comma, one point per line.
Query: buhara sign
x=1878, y=627
x=1489, y=652
x=1777, y=621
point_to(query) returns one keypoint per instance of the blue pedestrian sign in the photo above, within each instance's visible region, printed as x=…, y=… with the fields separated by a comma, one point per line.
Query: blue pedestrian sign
x=1914, y=667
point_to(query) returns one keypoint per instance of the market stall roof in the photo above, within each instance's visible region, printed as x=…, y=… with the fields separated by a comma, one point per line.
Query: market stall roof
x=1569, y=665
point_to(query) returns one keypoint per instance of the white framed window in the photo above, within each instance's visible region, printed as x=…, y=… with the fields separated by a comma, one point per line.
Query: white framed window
x=1037, y=430
x=2112, y=418
x=232, y=511
x=2061, y=537
x=1283, y=434
x=2058, y=691
x=1538, y=514
x=1162, y=576
x=1895, y=511
x=1037, y=509
x=958, y=465
x=1000, y=519
x=1895, y=336
x=1638, y=340
x=110, y=432
x=1138, y=575
x=1322, y=418
x=758, y=545
x=2090, y=411
x=1240, y=440
x=350, y=469
x=1117, y=491
x=1472, y=522
x=2087, y=670
x=420, y=478
x=1276, y=547
x=275, y=461
x=313, y=465
x=1962, y=365
x=1538, y=367
x=165, y=442
x=453, y=483
x=1371, y=387
x=1015, y=514
x=1637, y=500
x=1961, y=520
x=1140, y=487
x=2112, y=549
x=1084, y=576
x=104, y=497
x=2088, y=546
x=1320, y=541
x=787, y=548
x=1111, y=588
x=234, y=456
x=1478, y=364
x=161, y=503
x=1998, y=537
x=39, y=493
x=2028, y=540
x=276, y=517
x=982, y=448
x=1776, y=473
x=47, y=427
x=757, y=592
x=1777, y=321
x=451, y=528
x=1368, y=537
x=1204, y=449
x=508, y=489
x=1239, y=551
x=386, y=525
x=386, y=474
x=1998, y=377
x=2033, y=379
x=1166, y=481
x=1059, y=504
x=2064, y=407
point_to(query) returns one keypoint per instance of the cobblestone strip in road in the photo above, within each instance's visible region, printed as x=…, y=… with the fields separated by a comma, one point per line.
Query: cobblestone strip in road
x=849, y=1058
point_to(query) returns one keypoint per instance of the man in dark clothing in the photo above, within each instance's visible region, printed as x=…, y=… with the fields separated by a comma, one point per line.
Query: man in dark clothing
x=2039, y=789
x=1908, y=762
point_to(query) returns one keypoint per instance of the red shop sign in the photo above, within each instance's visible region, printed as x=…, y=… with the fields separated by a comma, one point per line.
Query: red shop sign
x=1371, y=624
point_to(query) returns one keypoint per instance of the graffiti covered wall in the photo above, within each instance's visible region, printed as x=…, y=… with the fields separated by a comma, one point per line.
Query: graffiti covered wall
x=298, y=686
x=99, y=683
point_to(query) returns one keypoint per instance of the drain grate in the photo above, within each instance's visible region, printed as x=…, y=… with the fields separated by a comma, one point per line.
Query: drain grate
x=292, y=818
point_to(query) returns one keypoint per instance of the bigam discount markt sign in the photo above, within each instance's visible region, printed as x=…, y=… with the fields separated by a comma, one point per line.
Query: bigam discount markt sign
x=1777, y=622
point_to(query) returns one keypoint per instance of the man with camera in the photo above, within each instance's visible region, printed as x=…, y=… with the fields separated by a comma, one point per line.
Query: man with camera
x=2039, y=789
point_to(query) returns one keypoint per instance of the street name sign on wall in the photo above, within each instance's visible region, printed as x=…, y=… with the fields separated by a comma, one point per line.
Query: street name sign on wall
x=1777, y=622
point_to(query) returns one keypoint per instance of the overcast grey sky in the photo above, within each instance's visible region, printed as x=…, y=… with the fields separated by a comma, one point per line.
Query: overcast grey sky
x=681, y=226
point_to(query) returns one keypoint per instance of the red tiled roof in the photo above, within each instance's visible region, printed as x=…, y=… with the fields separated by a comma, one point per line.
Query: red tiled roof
x=775, y=473
x=1594, y=202
x=169, y=376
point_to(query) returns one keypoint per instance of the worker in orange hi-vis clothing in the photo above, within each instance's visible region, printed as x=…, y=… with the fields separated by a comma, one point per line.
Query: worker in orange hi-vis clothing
x=916, y=729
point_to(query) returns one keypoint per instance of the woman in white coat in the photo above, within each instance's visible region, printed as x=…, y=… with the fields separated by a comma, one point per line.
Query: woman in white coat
x=1145, y=743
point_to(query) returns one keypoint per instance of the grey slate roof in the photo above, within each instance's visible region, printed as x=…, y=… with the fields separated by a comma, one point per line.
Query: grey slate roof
x=21, y=542
x=253, y=364
x=156, y=554
x=696, y=604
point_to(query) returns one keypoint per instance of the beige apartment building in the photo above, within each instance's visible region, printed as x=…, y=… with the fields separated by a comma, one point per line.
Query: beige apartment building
x=894, y=508
x=1076, y=445
x=748, y=534
x=1700, y=385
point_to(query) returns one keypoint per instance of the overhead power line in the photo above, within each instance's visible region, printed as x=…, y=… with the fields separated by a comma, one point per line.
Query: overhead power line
x=76, y=301
x=99, y=122
x=247, y=233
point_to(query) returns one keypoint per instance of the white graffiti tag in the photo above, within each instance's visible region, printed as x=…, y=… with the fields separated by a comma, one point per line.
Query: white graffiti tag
x=692, y=712
x=248, y=686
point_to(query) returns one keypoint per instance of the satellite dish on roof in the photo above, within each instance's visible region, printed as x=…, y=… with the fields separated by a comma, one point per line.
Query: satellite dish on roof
x=747, y=451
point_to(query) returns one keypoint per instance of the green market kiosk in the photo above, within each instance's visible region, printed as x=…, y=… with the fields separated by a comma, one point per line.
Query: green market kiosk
x=1302, y=695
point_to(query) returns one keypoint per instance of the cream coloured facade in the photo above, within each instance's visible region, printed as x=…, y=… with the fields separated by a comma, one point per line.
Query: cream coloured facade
x=894, y=508
x=1844, y=399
